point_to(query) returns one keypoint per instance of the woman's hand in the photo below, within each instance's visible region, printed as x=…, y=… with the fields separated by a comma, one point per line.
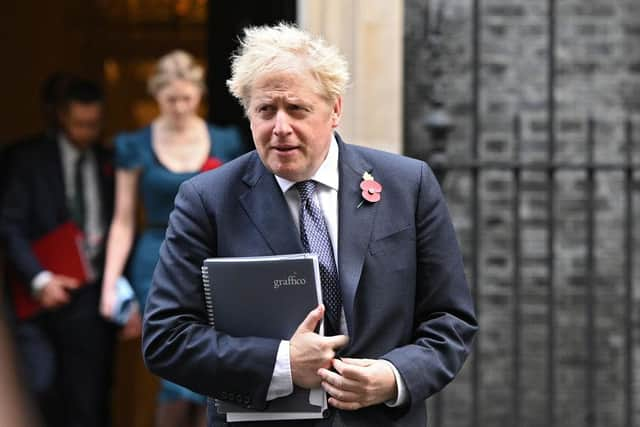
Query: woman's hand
x=107, y=300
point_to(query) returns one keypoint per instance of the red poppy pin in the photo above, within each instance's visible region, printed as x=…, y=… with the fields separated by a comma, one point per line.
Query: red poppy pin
x=211, y=163
x=107, y=170
x=371, y=189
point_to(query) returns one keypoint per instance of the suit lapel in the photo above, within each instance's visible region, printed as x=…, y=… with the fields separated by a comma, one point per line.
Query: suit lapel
x=355, y=226
x=56, y=176
x=265, y=204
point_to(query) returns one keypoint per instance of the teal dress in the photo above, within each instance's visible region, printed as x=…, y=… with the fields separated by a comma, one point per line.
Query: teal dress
x=157, y=190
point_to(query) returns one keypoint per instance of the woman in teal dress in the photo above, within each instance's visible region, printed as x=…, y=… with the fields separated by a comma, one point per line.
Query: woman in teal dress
x=151, y=163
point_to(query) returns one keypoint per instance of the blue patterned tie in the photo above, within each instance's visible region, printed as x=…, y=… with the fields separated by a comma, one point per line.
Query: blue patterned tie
x=315, y=239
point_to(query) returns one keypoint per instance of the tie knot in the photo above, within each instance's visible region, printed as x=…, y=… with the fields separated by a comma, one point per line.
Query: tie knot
x=306, y=189
x=82, y=156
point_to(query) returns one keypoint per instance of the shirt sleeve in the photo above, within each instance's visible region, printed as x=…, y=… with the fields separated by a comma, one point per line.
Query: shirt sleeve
x=401, y=388
x=40, y=281
x=281, y=382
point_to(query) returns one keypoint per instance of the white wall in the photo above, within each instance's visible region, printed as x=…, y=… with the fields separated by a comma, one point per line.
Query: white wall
x=369, y=33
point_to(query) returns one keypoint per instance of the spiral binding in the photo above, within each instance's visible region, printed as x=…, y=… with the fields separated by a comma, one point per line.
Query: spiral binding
x=208, y=294
x=208, y=303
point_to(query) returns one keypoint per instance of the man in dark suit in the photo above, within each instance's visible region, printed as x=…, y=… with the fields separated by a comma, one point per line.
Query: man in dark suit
x=395, y=298
x=51, y=91
x=66, y=348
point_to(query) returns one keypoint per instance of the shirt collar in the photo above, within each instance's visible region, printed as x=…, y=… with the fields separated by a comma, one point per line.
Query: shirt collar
x=327, y=174
x=69, y=150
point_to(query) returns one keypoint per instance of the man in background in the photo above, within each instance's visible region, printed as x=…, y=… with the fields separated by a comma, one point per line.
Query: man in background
x=62, y=175
x=51, y=92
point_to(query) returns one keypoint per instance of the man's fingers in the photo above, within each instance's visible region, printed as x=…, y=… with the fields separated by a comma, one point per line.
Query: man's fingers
x=311, y=321
x=339, y=382
x=337, y=341
x=339, y=393
x=349, y=370
x=345, y=406
x=62, y=295
x=358, y=362
x=69, y=282
x=55, y=298
x=343, y=393
x=358, y=384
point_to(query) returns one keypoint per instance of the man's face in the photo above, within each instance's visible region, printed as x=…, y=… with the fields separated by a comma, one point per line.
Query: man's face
x=291, y=124
x=82, y=123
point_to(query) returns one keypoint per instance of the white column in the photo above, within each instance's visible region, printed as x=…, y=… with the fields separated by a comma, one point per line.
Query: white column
x=369, y=33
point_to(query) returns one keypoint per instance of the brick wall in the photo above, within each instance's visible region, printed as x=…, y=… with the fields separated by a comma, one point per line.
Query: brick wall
x=597, y=75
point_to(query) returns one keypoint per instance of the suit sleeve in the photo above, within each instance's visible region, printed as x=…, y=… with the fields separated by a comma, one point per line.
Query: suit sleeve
x=15, y=214
x=178, y=344
x=444, y=318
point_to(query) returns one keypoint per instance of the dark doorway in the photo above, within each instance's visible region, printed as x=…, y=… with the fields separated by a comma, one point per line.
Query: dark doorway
x=225, y=24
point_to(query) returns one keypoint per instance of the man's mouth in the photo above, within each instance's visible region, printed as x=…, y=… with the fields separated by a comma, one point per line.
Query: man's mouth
x=285, y=148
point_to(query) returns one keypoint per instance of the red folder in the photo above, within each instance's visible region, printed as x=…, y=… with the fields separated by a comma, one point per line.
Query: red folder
x=59, y=251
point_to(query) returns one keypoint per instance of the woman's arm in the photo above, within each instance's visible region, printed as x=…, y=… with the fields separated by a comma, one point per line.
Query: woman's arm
x=120, y=237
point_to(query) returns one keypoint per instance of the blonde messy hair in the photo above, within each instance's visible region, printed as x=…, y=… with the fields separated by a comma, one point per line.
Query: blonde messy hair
x=175, y=65
x=284, y=47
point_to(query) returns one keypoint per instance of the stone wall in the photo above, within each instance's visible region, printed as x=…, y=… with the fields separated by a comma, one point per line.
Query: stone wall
x=597, y=76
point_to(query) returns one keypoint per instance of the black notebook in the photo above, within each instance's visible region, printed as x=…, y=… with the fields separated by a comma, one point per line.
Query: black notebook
x=265, y=297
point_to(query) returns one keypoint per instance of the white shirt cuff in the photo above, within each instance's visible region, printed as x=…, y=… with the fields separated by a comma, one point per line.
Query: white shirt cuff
x=40, y=281
x=402, y=388
x=281, y=381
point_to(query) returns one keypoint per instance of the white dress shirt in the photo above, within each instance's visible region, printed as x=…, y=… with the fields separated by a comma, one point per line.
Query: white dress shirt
x=326, y=194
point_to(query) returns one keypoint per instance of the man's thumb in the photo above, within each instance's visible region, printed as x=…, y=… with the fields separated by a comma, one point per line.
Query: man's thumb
x=69, y=282
x=311, y=321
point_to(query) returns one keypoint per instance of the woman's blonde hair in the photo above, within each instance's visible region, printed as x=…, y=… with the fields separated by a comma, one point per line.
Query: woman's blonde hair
x=284, y=47
x=176, y=65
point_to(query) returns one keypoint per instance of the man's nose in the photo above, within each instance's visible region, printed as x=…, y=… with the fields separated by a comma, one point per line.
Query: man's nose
x=281, y=127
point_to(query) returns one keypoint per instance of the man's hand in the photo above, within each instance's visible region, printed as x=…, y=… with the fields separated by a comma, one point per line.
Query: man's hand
x=56, y=292
x=309, y=351
x=358, y=383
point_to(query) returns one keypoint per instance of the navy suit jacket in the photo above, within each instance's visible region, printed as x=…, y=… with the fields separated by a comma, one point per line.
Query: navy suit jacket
x=34, y=200
x=404, y=292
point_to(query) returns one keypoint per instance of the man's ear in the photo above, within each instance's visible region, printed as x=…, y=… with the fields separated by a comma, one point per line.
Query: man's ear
x=336, y=112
